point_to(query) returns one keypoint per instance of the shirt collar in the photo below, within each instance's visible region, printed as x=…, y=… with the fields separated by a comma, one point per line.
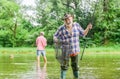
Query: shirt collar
x=72, y=25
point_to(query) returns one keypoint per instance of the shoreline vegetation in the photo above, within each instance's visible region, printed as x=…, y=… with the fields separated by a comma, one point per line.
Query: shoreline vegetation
x=32, y=50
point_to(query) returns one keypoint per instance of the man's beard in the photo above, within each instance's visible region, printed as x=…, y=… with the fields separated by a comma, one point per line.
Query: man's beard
x=69, y=24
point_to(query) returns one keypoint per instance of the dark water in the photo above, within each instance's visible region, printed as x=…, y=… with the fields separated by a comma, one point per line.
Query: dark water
x=91, y=67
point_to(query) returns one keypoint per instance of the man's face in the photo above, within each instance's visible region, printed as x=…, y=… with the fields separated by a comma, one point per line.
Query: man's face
x=68, y=21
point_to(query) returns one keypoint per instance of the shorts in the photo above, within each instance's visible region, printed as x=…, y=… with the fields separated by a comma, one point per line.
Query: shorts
x=41, y=52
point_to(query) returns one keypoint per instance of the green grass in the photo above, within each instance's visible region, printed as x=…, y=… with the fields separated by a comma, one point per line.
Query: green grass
x=104, y=49
x=32, y=50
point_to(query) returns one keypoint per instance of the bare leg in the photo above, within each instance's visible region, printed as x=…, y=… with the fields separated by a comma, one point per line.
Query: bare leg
x=45, y=59
x=38, y=60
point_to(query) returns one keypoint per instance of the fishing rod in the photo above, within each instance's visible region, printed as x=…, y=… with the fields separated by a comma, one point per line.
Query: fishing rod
x=83, y=48
x=85, y=39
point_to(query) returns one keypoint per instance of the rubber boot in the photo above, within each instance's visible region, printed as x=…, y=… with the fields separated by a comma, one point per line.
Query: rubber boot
x=63, y=74
x=76, y=74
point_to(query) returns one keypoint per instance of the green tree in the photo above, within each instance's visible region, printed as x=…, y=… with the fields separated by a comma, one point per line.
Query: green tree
x=13, y=32
x=107, y=21
x=8, y=18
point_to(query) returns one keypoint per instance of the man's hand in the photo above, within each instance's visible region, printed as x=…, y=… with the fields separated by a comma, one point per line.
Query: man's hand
x=89, y=26
x=55, y=40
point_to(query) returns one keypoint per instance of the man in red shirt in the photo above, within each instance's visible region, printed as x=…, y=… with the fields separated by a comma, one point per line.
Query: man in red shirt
x=41, y=43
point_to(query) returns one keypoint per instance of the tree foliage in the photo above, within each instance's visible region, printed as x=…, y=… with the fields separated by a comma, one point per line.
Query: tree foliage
x=108, y=21
x=17, y=30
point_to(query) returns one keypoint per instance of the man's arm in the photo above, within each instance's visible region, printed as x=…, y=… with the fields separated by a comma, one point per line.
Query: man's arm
x=56, y=35
x=89, y=26
x=36, y=41
x=44, y=42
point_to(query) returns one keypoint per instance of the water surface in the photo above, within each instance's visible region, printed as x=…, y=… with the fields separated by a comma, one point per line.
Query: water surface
x=91, y=67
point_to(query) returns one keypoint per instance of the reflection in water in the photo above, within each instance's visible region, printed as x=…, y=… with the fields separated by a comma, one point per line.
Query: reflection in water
x=37, y=72
x=41, y=72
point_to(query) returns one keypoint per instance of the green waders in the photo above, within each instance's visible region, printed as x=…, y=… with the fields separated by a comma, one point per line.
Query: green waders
x=63, y=74
x=75, y=67
x=65, y=62
x=76, y=74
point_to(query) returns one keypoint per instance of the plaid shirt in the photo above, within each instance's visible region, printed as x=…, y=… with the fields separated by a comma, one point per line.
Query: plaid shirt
x=71, y=38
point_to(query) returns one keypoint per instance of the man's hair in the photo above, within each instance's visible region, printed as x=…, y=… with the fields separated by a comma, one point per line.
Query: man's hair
x=67, y=15
x=41, y=33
